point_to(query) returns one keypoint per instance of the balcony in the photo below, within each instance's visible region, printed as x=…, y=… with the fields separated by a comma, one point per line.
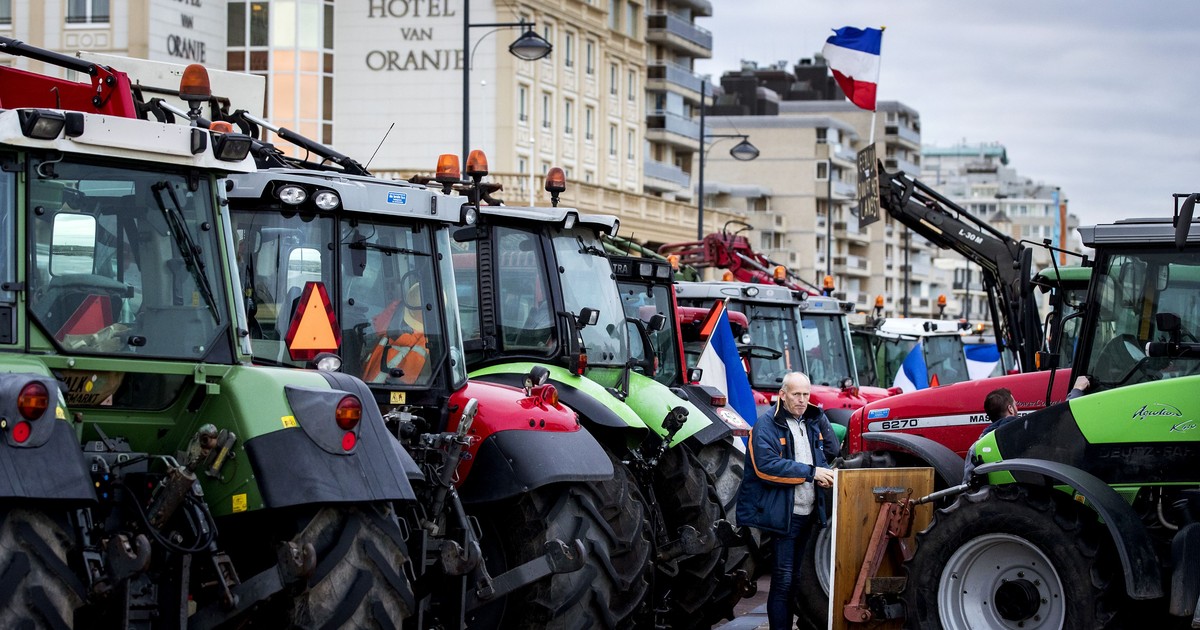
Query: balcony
x=851, y=266
x=903, y=134
x=844, y=190
x=893, y=164
x=851, y=231
x=700, y=8
x=662, y=126
x=663, y=76
x=665, y=177
x=676, y=32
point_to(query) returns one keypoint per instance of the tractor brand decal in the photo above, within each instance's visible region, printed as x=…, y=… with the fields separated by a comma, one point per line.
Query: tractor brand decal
x=1154, y=410
x=875, y=414
x=397, y=197
x=929, y=423
x=289, y=422
x=1180, y=427
x=239, y=503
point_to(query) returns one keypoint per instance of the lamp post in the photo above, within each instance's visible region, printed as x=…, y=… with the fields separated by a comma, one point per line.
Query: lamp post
x=742, y=152
x=529, y=46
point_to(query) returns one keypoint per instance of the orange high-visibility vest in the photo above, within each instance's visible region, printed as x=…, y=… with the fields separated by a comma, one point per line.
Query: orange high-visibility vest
x=408, y=352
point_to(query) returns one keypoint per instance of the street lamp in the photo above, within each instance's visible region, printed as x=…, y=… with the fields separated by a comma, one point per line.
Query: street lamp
x=742, y=152
x=529, y=47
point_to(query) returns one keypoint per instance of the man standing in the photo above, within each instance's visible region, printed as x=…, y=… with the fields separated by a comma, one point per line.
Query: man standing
x=785, y=459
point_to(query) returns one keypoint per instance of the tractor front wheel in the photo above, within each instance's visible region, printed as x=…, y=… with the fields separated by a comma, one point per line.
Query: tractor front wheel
x=1012, y=556
x=609, y=518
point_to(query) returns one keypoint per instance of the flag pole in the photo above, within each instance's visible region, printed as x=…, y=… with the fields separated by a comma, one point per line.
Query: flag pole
x=875, y=112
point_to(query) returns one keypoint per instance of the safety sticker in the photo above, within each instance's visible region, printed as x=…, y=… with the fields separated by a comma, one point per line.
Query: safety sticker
x=397, y=197
x=396, y=398
x=239, y=503
x=878, y=413
x=289, y=422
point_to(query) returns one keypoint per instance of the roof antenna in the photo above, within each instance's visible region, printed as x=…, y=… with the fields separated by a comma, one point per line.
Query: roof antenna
x=385, y=135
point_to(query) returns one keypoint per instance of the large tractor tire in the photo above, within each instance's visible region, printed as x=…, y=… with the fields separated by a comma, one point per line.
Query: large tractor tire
x=725, y=464
x=812, y=593
x=687, y=496
x=359, y=580
x=1013, y=556
x=609, y=517
x=37, y=587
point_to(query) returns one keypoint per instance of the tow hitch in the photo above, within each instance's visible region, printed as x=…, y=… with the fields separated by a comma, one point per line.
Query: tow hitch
x=558, y=557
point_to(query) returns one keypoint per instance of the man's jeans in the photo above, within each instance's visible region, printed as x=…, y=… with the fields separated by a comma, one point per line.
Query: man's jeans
x=789, y=557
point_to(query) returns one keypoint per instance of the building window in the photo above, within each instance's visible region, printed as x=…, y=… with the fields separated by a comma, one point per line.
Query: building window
x=822, y=170
x=591, y=57
x=588, y=176
x=5, y=12
x=631, y=19
x=260, y=25
x=630, y=139
x=86, y=11
x=612, y=78
x=522, y=165
x=822, y=135
x=631, y=90
x=522, y=103
x=589, y=114
x=612, y=141
x=569, y=50
x=568, y=116
x=546, y=112
x=614, y=14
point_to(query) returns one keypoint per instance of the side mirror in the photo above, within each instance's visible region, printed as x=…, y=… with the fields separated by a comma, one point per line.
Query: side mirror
x=587, y=317
x=1183, y=223
x=468, y=234
x=695, y=374
x=1167, y=322
x=657, y=323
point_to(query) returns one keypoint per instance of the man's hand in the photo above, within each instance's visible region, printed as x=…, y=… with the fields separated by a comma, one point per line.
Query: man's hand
x=823, y=477
x=1082, y=383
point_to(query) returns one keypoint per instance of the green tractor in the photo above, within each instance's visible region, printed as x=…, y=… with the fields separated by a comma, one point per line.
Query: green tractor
x=1086, y=514
x=155, y=478
x=536, y=289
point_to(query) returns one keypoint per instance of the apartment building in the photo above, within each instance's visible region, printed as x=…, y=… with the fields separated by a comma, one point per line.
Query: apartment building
x=802, y=187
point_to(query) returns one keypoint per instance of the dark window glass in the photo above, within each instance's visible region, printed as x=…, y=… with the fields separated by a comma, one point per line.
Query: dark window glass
x=237, y=24
x=259, y=25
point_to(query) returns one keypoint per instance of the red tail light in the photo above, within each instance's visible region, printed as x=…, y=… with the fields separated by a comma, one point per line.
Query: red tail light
x=582, y=364
x=32, y=401
x=349, y=412
x=21, y=432
x=348, y=441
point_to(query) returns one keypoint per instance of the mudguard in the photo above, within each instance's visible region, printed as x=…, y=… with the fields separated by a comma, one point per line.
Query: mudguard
x=591, y=400
x=717, y=429
x=1143, y=578
x=291, y=468
x=514, y=462
x=652, y=401
x=49, y=464
x=947, y=464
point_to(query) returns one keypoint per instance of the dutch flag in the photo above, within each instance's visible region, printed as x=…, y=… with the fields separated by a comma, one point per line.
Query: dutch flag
x=722, y=366
x=913, y=373
x=853, y=56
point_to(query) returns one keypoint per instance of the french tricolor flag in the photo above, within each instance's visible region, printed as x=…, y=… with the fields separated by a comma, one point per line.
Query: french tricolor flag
x=853, y=56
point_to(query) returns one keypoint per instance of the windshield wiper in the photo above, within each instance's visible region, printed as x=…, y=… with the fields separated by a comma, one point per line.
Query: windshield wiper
x=387, y=249
x=589, y=248
x=183, y=240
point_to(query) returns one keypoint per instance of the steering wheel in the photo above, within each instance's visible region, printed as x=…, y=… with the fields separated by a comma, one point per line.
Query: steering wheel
x=1121, y=358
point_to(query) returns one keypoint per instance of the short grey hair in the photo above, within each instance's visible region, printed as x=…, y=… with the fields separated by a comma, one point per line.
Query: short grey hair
x=794, y=376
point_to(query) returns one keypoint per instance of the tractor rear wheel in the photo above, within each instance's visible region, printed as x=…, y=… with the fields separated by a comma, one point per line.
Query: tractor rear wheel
x=687, y=496
x=359, y=580
x=37, y=587
x=725, y=463
x=609, y=517
x=1012, y=556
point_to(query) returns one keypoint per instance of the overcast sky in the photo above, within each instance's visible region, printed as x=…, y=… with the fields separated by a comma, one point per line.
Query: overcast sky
x=1101, y=98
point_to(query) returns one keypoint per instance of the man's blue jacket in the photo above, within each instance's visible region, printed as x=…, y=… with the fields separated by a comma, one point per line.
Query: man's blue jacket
x=772, y=473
